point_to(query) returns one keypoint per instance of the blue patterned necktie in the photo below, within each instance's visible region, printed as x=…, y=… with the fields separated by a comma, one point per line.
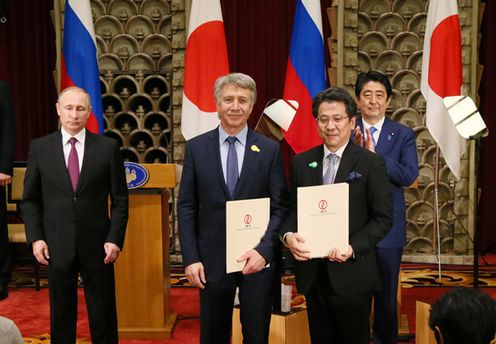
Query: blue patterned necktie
x=372, y=131
x=330, y=172
x=232, y=165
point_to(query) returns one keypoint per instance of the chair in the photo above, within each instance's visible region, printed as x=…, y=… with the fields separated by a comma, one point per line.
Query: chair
x=20, y=249
x=423, y=333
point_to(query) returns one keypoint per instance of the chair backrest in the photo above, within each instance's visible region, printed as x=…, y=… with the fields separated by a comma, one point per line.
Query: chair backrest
x=15, y=190
x=423, y=333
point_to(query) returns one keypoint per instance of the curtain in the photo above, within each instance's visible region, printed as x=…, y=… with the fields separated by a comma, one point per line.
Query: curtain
x=27, y=60
x=487, y=108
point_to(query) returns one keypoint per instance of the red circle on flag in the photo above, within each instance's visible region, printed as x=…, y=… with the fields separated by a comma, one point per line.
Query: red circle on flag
x=206, y=60
x=445, y=61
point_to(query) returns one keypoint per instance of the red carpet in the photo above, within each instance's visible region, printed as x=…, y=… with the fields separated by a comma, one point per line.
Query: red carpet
x=30, y=311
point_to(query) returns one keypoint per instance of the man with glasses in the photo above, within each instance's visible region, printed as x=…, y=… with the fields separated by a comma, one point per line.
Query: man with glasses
x=396, y=143
x=338, y=288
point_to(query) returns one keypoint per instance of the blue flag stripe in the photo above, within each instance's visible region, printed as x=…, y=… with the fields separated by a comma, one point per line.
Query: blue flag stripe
x=307, y=51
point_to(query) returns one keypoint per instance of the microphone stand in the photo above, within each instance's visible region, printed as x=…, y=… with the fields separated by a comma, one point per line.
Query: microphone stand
x=477, y=141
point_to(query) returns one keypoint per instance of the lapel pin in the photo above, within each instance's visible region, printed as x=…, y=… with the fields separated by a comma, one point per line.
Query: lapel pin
x=313, y=164
x=255, y=148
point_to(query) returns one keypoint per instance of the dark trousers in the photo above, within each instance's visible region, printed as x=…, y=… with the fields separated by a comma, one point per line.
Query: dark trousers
x=337, y=319
x=385, y=301
x=5, y=258
x=99, y=290
x=216, y=307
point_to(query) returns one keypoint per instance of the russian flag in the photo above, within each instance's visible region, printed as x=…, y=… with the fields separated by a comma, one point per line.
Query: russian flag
x=305, y=74
x=79, y=65
x=206, y=60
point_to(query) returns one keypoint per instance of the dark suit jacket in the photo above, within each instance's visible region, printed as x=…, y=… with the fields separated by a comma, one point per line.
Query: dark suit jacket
x=7, y=129
x=397, y=145
x=370, y=216
x=75, y=222
x=203, y=194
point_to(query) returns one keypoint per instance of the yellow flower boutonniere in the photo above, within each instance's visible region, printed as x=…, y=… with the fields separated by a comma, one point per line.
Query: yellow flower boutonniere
x=255, y=148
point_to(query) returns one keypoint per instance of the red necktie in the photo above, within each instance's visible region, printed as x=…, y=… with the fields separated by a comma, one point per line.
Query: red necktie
x=73, y=163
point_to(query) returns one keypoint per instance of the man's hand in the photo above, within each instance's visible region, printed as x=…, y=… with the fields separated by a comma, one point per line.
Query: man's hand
x=254, y=262
x=360, y=139
x=5, y=179
x=358, y=136
x=196, y=275
x=111, y=252
x=295, y=243
x=336, y=256
x=40, y=251
x=369, y=143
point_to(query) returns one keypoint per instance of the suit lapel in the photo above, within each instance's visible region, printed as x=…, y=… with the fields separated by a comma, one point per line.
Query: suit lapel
x=250, y=161
x=347, y=162
x=213, y=152
x=386, y=137
x=58, y=158
x=89, y=151
x=316, y=159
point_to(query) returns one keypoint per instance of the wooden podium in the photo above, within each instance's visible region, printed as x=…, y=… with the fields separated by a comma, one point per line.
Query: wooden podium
x=142, y=272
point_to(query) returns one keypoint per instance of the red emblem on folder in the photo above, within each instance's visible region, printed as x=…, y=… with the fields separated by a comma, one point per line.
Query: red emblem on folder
x=323, y=204
x=247, y=219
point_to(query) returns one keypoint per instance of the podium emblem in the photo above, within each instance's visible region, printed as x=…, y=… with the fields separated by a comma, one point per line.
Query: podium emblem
x=136, y=175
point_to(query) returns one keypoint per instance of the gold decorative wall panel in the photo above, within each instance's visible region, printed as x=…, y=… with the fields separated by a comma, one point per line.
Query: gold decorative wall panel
x=135, y=60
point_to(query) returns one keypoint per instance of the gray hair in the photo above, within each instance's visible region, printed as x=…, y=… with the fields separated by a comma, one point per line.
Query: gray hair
x=239, y=80
x=74, y=88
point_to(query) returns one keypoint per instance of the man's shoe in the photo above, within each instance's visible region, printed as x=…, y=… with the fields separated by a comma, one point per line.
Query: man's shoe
x=4, y=291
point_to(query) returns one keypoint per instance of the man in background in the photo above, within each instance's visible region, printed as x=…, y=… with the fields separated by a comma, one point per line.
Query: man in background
x=464, y=316
x=338, y=288
x=396, y=143
x=231, y=162
x=71, y=175
x=7, y=138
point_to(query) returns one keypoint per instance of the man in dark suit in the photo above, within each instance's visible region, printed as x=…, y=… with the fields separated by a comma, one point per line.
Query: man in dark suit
x=7, y=138
x=203, y=194
x=396, y=143
x=338, y=288
x=70, y=177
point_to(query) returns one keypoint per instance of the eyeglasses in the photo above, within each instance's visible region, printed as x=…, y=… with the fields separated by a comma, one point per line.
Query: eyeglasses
x=324, y=120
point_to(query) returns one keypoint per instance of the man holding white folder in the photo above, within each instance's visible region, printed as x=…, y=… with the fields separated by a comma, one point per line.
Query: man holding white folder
x=230, y=162
x=338, y=287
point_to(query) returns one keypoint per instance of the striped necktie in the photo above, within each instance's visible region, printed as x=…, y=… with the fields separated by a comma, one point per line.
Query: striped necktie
x=232, y=165
x=372, y=131
x=330, y=172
